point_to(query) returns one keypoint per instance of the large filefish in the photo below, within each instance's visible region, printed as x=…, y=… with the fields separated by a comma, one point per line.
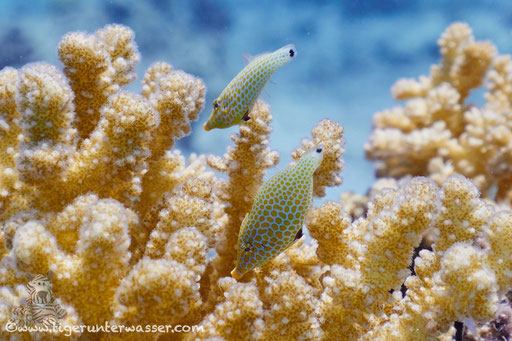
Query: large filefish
x=238, y=98
x=277, y=214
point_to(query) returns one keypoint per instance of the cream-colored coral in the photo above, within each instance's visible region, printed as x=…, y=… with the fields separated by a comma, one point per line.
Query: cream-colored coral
x=77, y=147
x=237, y=316
x=439, y=133
x=456, y=280
x=393, y=228
x=178, y=97
x=245, y=164
x=467, y=282
x=328, y=225
x=328, y=134
x=498, y=232
x=97, y=65
x=354, y=204
x=12, y=190
x=189, y=205
x=114, y=156
x=165, y=290
x=290, y=308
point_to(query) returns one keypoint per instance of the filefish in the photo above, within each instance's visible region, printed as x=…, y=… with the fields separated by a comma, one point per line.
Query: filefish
x=237, y=99
x=277, y=214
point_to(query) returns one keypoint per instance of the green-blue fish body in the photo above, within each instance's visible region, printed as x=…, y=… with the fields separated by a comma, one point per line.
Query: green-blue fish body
x=277, y=214
x=238, y=98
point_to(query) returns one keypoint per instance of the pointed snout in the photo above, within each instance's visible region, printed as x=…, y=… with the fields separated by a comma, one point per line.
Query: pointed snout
x=236, y=274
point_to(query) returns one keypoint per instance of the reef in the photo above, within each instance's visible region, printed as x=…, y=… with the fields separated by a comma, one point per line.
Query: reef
x=92, y=189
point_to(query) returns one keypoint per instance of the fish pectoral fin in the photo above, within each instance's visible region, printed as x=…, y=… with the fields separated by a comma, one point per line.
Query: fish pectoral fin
x=246, y=116
x=298, y=235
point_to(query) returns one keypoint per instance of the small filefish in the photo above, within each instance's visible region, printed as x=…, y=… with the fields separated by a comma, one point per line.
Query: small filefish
x=237, y=99
x=277, y=214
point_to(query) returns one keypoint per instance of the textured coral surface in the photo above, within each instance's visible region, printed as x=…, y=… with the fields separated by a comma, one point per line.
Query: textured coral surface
x=91, y=189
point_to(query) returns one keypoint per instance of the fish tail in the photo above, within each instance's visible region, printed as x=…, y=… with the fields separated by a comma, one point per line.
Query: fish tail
x=235, y=273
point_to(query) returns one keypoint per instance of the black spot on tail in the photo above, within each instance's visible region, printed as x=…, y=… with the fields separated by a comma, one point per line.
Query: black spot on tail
x=292, y=52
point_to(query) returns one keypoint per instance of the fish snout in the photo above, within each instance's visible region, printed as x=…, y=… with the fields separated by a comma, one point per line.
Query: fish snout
x=235, y=273
x=206, y=126
x=292, y=51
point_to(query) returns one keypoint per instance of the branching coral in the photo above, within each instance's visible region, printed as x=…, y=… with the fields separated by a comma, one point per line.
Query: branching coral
x=91, y=189
x=329, y=135
x=245, y=165
x=81, y=133
x=96, y=66
x=439, y=132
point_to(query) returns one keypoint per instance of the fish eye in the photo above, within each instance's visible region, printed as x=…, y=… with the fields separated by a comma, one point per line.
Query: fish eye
x=319, y=149
x=215, y=104
x=291, y=52
x=247, y=247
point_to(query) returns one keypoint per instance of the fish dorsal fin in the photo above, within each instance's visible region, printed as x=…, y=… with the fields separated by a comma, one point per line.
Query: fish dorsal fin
x=248, y=58
x=244, y=223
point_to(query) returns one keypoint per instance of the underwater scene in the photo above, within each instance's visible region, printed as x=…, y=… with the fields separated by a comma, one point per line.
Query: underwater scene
x=256, y=170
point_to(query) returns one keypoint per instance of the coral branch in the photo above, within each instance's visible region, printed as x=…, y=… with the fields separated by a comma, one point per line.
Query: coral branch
x=328, y=134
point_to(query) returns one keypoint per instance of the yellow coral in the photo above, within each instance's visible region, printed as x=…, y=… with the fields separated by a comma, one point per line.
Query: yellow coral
x=96, y=66
x=190, y=205
x=178, y=97
x=290, y=309
x=238, y=317
x=330, y=135
x=328, y=224
x=166, y=290
x=245, y=165
x=498, y=231
x=438, y=133
x=112, y=160
x=468, y=286
x=354, y=204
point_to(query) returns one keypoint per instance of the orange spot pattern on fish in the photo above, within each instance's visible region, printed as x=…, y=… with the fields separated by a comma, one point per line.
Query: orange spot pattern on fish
x=239, y=96
x=277, y=213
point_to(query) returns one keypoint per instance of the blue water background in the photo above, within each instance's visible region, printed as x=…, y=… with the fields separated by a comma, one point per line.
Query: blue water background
x=349, y=54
